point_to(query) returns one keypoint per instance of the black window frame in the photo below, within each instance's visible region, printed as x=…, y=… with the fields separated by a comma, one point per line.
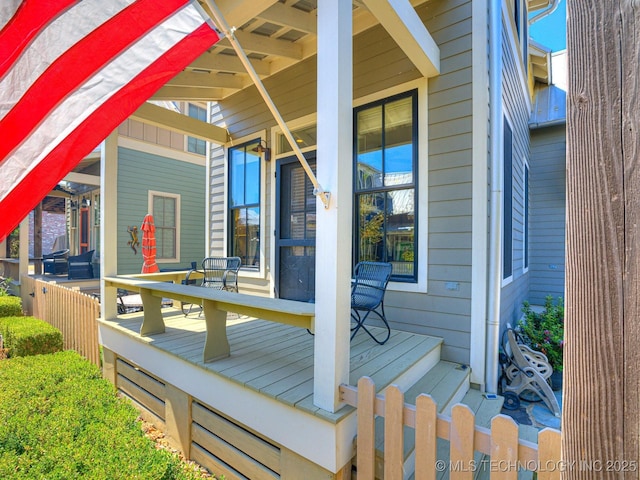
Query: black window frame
x=357, y=192
x=231, y=207
x=507, y=194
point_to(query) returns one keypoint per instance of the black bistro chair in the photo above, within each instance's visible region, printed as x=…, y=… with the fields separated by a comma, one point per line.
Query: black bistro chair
x=367, y=296
x=219, y=273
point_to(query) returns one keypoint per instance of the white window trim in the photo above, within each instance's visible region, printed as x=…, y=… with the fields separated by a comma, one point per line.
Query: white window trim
x=247, y=272
x=155, y=193
x=505, y=115
x=525, y=216
x=422, y=184
x=509, y=25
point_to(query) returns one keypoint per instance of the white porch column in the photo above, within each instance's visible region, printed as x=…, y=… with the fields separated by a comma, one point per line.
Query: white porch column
x=333, y=237
x=109, y=223
x=23, y=255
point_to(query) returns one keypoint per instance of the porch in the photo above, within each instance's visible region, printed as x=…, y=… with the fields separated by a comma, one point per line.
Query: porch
x=261, y=396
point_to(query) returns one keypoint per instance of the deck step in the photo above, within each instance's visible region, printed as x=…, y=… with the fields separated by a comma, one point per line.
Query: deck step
x=484, y=410
x=447, y=383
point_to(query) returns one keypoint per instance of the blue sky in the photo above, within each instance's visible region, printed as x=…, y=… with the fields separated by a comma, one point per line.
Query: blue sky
x=551, y=31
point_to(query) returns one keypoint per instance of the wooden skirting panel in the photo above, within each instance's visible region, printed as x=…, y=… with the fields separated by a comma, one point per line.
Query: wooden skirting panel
x=214, y=440
x=251, y=456
x=144, y=389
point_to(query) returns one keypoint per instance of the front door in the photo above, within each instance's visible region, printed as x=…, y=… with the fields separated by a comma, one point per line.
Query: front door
x=295, y=231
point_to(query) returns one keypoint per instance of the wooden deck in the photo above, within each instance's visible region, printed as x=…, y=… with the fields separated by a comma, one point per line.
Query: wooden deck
x=276, y=360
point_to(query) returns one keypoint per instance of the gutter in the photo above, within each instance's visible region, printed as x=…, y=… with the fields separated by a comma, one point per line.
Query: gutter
x=494, y=284
x=552, y=8
x=551, y=123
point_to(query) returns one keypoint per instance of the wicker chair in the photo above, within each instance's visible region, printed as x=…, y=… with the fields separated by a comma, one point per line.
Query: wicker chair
x=367, y=296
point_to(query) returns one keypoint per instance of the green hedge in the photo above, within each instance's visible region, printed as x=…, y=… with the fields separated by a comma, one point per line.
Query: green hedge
x=10, y=306
x=62, y=420
x=25, y=336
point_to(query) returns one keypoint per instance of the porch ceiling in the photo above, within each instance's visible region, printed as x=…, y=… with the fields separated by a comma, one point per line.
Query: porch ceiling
x=275, y=34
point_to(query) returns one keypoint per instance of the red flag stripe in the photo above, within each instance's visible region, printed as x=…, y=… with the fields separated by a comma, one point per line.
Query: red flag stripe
x=52, y=42
x=74, y=68
x=30, y=18
x=61, y=160
x=78, y=106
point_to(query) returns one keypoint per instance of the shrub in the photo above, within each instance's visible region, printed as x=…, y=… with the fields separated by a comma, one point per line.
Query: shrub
x=25, y=336
x=10, y=306
x=545, y=331
x=61, y=420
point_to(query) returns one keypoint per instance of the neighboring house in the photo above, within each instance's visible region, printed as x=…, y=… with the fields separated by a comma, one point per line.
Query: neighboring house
x=548, y=192
x=159, y=172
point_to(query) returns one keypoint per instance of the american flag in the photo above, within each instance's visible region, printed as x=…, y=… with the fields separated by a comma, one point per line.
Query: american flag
x=70, y=72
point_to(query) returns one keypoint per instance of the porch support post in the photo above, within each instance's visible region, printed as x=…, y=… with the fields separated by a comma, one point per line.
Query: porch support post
x=23, y=265
x=109, y=224
x=334, y=165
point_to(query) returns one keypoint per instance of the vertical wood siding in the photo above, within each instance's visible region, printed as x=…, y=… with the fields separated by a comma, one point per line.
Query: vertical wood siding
x=139, y=172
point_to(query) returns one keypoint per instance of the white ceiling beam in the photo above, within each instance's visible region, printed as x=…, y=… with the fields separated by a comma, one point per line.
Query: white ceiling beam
x=161, y=117
x=227, y=63
x=280, y=14
x=205, y=80
x=192, y=94
x=252, y=42
x=239, y=12
x=83, y=178
x=400, y=19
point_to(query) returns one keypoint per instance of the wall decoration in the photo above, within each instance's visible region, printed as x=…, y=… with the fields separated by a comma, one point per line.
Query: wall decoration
x=133, y=243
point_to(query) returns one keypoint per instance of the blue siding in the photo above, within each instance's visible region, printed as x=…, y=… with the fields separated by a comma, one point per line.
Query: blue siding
x=140, y=172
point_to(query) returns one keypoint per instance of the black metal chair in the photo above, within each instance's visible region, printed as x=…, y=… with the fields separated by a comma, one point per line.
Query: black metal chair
x=81, y=266
x=220, y=273
x=367, y=295
x=55, y=263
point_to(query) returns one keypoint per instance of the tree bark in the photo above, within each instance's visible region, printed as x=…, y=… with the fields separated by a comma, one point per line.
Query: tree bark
x=602, y=379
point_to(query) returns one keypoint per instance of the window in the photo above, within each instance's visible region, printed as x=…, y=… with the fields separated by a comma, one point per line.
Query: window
x=195, y=145
x=526, y=218
x=507, y=192
x=385, y=173
x=244, y=203
x=165, y=208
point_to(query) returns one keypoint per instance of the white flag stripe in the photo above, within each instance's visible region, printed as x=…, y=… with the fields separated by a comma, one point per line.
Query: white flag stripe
x=7, y=10
x=75, y=109
x=51, y=43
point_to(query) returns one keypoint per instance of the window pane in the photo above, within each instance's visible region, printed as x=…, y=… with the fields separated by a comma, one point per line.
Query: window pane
x=237, y=177
x=158, y=211
x=169, y=212
x=253, y=233
x=246, y=235
x=400, y=231
x=398, y=151
x=369, y=148
x=252, y=182
x=371, y=223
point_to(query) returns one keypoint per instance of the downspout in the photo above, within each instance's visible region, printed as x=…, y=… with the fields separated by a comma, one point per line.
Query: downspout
x=494, y=284
x=552, y=8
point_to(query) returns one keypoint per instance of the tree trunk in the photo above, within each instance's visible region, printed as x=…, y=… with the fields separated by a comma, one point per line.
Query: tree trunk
x=602, y=357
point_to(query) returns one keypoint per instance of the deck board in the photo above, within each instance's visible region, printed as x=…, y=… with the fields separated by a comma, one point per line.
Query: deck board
x=277, y=360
